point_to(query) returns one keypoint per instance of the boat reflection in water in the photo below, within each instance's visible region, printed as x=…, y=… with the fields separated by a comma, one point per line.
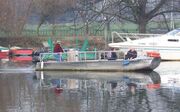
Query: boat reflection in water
x=69, y=80
x=25, y=90
x=99, y=92
x=87, y=92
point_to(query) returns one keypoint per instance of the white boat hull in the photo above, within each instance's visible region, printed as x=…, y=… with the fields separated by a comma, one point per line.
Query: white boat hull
x=170, y=55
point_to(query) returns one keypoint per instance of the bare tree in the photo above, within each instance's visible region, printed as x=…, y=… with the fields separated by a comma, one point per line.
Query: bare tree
x=139, y=12
x=13, y=15
x=95, y=12
x=51, y=9
x=142, y=11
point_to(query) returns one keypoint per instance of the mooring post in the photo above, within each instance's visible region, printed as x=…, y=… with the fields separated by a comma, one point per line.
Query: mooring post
x=42, y=64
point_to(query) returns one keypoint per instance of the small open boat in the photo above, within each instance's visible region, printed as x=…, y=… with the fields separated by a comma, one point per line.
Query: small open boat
x=4, y=52
x=75, y=62
x=17, y=51
x=21, y=52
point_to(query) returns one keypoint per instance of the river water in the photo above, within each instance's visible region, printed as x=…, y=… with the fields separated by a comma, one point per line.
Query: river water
x=24, y=90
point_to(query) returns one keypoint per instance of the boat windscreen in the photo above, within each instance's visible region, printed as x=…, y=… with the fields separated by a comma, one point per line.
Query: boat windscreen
x=174, y=32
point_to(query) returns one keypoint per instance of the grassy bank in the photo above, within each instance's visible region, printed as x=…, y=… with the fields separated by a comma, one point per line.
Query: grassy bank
x=95, y=29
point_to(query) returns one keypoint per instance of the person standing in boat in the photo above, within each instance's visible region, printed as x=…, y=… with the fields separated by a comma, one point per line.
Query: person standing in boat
x=131, y=54
x=58, y=49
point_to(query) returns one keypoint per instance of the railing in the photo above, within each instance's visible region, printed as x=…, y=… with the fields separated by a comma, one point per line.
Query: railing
x=74, y=56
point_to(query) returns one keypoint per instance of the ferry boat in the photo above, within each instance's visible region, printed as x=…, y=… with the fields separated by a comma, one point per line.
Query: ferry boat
x=168, y=45
x=81, y=61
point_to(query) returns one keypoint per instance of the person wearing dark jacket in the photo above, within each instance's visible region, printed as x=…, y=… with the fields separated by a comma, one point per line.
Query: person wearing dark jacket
x=131, y=54
x=113, y=55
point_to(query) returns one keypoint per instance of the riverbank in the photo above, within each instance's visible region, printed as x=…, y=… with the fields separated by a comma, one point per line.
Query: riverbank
x=21, y=42
x=37, y=42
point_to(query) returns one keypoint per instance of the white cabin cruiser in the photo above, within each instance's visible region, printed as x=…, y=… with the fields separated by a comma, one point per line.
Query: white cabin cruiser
x=168, y=45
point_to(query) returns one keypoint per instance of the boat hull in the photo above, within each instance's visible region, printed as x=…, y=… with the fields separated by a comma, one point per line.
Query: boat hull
x=4, y=54
x=149, y=63
x=21, y=58
x=21, y=52
x=166, y=54
x=171, y=55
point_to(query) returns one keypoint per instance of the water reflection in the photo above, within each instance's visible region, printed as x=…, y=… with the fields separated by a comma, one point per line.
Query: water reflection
x=24, y=90
x=16, y=67
x=100, y=92
x=16, y=92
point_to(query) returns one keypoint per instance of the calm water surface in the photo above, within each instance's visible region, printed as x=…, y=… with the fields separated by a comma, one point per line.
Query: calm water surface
x=24, y=90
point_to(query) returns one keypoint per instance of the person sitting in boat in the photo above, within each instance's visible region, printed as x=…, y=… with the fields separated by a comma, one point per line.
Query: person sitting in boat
x=112, y=55
x=131, y=54
x=58, y=49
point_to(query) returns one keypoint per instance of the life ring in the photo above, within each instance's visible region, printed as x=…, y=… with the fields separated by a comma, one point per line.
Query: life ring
x=153, y=54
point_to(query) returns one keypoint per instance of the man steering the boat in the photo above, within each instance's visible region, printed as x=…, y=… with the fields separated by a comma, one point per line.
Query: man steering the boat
x=131, y=54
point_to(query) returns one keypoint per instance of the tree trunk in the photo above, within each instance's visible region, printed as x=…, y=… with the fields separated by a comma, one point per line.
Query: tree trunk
x=42, y=20
x=142, y=26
